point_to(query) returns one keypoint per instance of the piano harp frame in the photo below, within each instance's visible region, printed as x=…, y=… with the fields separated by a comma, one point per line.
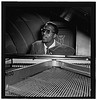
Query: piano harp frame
x=15, y=75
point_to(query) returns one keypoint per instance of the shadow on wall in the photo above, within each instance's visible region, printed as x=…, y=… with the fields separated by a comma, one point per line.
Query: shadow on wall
x=21, y=31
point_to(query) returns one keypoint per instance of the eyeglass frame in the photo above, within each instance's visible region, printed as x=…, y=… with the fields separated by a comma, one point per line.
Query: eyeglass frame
x=46, y=31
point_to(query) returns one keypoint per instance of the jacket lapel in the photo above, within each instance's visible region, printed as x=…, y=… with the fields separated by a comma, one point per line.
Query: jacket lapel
x=40, y=48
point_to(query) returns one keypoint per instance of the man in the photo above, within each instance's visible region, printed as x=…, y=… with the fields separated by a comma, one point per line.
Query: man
x=48, y=44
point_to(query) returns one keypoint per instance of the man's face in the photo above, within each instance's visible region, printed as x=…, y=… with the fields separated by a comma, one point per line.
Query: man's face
x=47, y=34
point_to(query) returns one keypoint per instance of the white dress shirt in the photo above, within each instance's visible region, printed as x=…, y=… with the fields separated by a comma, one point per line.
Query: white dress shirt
x=45, y=47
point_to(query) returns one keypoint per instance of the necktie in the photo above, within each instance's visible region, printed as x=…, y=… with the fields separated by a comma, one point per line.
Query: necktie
x=47, y=52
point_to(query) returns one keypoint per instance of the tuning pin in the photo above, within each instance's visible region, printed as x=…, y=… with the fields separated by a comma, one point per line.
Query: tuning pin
x=6, y=88
x=87, y=59
x=50, y=53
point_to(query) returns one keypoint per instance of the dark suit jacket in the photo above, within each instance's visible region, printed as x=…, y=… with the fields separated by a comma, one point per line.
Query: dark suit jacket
x=59, y=49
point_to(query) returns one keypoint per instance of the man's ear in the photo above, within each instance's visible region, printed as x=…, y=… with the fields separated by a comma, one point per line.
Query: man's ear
x=55, y=35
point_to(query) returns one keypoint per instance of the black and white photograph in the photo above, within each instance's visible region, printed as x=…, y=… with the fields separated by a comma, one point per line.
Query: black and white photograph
x=48, y=49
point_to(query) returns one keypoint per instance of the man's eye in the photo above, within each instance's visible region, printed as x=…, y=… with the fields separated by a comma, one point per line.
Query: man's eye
x=43, y=30
x=47, y=31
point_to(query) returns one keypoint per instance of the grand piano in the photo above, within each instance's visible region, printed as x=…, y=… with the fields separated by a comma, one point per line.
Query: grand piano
x=47, y=76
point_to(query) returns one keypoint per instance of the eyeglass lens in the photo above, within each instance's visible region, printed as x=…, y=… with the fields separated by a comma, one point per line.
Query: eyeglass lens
x=45, y=30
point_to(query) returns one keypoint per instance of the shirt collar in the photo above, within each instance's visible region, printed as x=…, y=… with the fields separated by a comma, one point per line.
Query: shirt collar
x=53, y=44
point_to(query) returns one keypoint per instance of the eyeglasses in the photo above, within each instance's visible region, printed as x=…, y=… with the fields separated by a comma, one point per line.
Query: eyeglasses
x=45, y=30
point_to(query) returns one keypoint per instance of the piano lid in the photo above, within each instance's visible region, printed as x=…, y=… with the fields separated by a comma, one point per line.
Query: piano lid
x=43, y=56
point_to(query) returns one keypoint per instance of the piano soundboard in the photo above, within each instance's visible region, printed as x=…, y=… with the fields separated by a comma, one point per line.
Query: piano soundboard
x=48, y=76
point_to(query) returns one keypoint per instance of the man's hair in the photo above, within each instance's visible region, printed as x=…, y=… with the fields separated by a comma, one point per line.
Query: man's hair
x=54, y=26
